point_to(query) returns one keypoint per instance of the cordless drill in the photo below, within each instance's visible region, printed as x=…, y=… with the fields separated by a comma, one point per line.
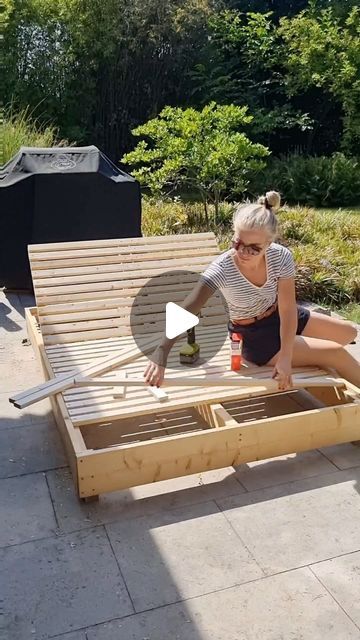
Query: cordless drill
x=190, y=352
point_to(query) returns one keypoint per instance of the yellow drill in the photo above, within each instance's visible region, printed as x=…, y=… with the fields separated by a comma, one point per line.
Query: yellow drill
x=190, y=352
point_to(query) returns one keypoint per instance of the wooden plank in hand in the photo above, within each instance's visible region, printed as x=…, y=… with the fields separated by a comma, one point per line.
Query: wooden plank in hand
x=67, y=380
x=210, y=381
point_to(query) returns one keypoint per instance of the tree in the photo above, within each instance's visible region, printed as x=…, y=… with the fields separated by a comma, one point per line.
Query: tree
x=203, y=150
x=241, y=64
x=97, y=69
x=324, y=51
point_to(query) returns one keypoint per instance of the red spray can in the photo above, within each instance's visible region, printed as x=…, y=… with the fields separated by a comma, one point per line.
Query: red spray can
x=235, y=353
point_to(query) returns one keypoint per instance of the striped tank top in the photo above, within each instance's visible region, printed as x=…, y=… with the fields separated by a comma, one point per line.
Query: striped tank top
x=245, y=299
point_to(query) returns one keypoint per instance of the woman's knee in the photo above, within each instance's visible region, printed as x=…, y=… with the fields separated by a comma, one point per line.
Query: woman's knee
x=353, y=331
x=347, y=332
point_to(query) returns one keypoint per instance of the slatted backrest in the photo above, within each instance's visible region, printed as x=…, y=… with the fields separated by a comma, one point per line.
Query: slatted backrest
x=85, y=290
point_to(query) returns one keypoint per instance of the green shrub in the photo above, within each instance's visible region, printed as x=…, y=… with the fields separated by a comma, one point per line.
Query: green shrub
x=325, y=244
x=21, y=129
x=162, y=217
x=315, y=181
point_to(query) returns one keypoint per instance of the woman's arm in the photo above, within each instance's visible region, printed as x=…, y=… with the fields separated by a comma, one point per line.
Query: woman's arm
x=154, y=373
x=288, y=326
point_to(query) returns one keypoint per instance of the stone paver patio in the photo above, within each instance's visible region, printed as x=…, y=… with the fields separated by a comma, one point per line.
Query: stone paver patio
x=267, y=551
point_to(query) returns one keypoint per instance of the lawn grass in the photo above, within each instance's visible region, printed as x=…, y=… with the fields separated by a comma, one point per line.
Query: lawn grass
x=350, y=312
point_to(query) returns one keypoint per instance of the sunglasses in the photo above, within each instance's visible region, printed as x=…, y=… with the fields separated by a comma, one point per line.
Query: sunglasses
x=251, y=249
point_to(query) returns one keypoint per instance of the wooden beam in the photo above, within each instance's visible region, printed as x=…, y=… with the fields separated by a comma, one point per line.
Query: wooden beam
x=70, y=435
x=140, y=463
x=209, y=381
x=209, y=413
x=67, y=380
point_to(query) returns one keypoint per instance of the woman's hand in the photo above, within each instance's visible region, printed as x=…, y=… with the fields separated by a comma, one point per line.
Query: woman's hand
x=282, y=373
x=155, y=371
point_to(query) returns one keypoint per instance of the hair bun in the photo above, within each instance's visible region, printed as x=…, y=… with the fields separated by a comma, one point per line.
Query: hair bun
x=271, y=199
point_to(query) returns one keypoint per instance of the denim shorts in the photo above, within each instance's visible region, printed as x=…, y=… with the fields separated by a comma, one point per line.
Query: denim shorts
x=261, y=340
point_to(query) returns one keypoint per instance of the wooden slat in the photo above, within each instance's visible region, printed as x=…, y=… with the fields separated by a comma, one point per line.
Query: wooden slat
x=119, y=331
x=95, y=290
x=68, y=338
x=106, y=276
x=92, y=400
x=68, y=308
x=115, y=258
x=112, y=270
x=148, y=240
x=147, y=318
x=156, y=310
x=209, y=381
x=125, y=249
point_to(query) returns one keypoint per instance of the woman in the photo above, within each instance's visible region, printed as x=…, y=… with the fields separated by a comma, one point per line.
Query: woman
x=257, y=279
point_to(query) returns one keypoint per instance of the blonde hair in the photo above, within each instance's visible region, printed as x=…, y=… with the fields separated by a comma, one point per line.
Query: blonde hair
x=260, y=215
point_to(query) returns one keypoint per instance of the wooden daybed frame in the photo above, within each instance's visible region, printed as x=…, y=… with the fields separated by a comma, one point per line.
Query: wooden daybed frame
x=84, y=292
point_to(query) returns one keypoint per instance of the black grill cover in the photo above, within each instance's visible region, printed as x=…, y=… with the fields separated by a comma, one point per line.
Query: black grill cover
x=57, y=195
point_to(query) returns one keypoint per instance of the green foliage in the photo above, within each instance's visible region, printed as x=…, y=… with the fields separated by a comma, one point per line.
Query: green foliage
x=173, y=215
x=323, y=50
x=21, y=129
x=163, y=217
x=100, y=68
x=327, y=263
x=237, y=60
x=350, y=312
x=203, y=150
x=325, y=244
x=320, y=182
x=314, y=56
x=241, y=64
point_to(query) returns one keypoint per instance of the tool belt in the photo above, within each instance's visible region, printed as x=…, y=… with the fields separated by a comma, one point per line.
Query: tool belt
x=246, y=321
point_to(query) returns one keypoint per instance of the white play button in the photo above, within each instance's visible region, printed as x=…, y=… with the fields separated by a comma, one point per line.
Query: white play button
x=178, y=320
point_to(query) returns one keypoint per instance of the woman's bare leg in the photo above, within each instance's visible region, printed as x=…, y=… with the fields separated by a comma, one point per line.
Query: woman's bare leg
x=324, y=354
x=329, y=328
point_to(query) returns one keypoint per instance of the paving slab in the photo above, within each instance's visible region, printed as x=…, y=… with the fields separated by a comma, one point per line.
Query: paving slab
x=301, y=523
x=291, y=606
x=10, y=416
x=61, y=584
x=344, y=456
x=16, y=357
x=78, y=635
x=179, y=554
x=72, y=514
x=12, y=315
x=26, y=511
x=12, y=333
x=341, y=576
x=36, y=447
x=15, y=377
x=295, y=466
